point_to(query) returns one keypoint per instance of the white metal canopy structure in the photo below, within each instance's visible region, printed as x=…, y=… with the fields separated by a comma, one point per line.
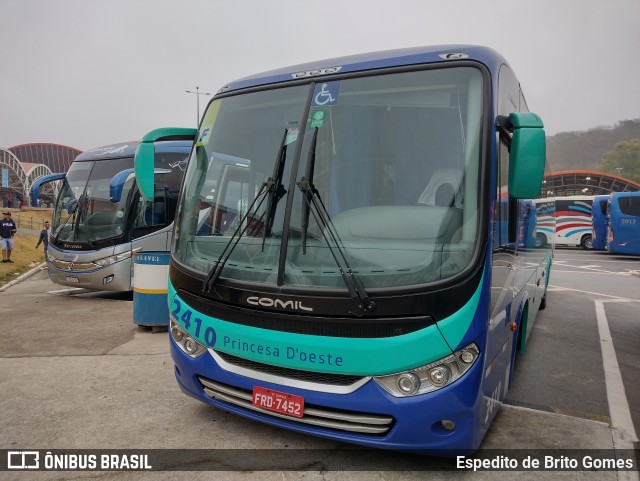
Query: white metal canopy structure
x=21, y=175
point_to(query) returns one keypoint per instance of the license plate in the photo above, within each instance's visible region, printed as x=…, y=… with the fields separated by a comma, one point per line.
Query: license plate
x=71, y=278
x=277, y=401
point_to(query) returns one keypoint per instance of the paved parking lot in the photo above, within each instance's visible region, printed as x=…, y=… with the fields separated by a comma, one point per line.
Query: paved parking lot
x=76, y=373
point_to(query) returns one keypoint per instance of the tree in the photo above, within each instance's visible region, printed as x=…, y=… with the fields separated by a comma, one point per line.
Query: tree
x=623, y=160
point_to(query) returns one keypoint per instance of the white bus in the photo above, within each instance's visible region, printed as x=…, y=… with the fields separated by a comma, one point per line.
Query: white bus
x=573, y=222
x=100, y=220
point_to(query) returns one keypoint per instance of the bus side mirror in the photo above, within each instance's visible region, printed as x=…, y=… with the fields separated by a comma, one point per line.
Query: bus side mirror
x=144, y=160
x=117, y=183
x=39, y=182
x=527, y=157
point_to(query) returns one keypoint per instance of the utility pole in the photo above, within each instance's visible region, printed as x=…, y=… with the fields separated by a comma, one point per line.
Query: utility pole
x=198, y=94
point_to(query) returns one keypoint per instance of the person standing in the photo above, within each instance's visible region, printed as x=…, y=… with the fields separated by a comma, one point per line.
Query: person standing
x=44, y=238
x=7, y=231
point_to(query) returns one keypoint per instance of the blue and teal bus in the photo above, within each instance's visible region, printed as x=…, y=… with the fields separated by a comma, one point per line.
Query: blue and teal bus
x=599, y=222
x=100, y=220
x=623, y=235
x=339, y=266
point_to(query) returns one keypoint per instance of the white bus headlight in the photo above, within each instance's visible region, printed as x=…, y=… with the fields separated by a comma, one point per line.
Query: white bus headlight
x=185, y=342
x=107, y=261
x=430, y=377
x=408, y=383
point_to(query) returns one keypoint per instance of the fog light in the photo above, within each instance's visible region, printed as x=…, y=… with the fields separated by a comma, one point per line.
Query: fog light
x=408, y=383
x=190, y=345
x=447, y=425
x=440, y=375
x=467, y=357
x=177, y=333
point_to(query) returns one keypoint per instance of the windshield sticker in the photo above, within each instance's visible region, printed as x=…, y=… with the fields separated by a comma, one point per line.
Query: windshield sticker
x=326, y=94
x=180, y=164
x=206, y=128
x=292, y=133
x=205, y=134
x=109, y=150
x=317, y=119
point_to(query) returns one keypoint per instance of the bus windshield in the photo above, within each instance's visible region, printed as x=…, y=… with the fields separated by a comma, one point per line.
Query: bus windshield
x=378, y=173
x=84, y=212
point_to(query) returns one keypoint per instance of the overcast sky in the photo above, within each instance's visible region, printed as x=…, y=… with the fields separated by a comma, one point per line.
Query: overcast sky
x=87, y=73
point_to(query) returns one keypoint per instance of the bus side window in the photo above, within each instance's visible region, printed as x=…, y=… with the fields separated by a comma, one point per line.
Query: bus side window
x=508, y=206
x=150, y=214
x=501, y=213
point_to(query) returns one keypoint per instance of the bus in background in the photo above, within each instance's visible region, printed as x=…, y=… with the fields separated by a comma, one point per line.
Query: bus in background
x=100, y=220
x=623, y=211
x=599, y=222
x=572, y=221
x=350, y=276
x=527, y=218
x=545, y=232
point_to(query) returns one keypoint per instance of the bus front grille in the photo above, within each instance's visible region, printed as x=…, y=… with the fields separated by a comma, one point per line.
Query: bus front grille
x=350, y=421
x=72, y=266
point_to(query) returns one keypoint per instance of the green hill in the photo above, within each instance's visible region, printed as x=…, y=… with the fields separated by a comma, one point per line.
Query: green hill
x=586, y=150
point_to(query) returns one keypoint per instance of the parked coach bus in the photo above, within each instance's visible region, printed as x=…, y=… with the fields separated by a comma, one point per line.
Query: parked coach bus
x=623, y=211
x=338, y=266
x=545, y=222
x=599, y=221
x=572, y=222
x=100, y=220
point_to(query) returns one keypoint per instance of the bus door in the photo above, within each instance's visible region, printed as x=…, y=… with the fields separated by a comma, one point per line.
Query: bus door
x=599, y=222
x=503, y=270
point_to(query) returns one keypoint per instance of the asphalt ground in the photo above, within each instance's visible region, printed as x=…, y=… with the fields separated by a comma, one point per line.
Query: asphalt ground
x=76, y=373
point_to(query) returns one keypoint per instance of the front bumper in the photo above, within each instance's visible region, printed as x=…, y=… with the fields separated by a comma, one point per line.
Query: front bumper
x=366, y=416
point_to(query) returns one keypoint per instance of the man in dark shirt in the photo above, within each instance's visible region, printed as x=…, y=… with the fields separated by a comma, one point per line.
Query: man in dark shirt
x=44, y=238
x=7, y=231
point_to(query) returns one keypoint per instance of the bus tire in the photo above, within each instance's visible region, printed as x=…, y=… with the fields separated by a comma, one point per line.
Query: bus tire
x=541, y=240
x=543, y=303
x=586, y=242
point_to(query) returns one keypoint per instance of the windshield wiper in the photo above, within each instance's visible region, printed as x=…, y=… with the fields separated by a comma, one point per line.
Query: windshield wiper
x=57, y=237
x=241, y=228
x=76, y=210
x=272, y=188
x=330, y=234
x=311, y=162
x=278, y=191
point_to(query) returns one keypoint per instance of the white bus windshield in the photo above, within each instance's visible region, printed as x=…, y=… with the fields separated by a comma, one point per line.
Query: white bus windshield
x=84, y=211
x=394, y=159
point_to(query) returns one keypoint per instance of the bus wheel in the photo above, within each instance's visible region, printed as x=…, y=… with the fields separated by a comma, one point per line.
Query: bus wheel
x=541, y=240
x=543, y=303
x=587, y=242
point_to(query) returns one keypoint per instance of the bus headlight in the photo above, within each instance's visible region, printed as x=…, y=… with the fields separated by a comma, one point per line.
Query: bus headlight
x=408, y=383
x=185, y=342
x=430, y=377
x=107, y=261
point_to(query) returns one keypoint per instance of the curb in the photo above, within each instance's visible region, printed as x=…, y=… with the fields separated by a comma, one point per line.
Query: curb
x=22, y=277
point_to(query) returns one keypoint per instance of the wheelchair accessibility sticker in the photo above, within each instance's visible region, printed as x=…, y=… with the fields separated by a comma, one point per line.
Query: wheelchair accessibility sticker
x=326, y=94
